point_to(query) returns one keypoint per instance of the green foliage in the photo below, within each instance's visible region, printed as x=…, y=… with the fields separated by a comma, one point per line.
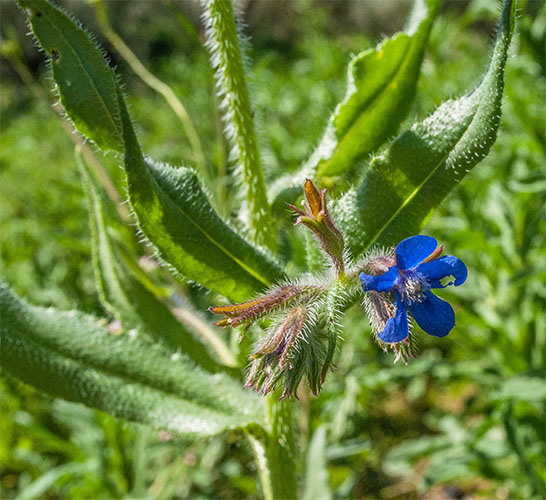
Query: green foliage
x=87, y=86
x=124, y=295
x=468, y=414
x=424, y=164
x=380, y=91
x=175, y=215
x=73, y=356
x=169, y=204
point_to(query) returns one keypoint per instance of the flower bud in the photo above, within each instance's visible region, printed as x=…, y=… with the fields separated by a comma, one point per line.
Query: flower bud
x=316, y=217
x=380, y=307
x=248, y=312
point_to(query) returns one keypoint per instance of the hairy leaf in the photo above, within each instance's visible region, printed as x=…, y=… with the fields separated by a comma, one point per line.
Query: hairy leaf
x=86, y=84
x=380, y=91
x=175, y=215
x=73, y=356
x=123, y=294
x=170, y=205
x=408, y=181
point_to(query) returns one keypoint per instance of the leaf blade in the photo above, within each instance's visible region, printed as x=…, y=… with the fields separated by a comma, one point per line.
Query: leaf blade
x=381, y=87
x=407, y=182
x=123, y=294
x=174, y=213
x=87, y=85
x=72, y=356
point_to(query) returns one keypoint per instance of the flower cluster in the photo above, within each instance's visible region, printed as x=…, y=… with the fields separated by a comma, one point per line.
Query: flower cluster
x=300, y=321
x=291, y=313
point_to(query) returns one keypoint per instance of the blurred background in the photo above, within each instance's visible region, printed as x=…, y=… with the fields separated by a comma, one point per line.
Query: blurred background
x=466, y=420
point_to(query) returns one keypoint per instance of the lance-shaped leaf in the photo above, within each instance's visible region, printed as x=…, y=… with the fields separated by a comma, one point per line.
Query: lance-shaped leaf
x=73, y=356
x=86, y=84
x=123, y=294
x=425, y=163
x=170, y=206
x=174, y=213
x=380, y=91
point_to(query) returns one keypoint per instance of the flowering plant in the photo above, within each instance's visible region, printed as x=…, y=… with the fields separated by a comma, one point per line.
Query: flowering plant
x=156, y=361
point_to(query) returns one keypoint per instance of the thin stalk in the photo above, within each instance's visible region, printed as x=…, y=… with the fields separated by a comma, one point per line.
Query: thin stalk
x=226, y=59
x=275, y=450
x=280, y=448
x=264, y=473
x=156, y=84
x=195, y=323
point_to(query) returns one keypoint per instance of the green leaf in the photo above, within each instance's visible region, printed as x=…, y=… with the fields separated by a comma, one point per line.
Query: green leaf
x=169, y=204
x=408, y=181
x=380, y=91
x=174, y=213
x=123, y=294
x=73, y=356
x=86, y=84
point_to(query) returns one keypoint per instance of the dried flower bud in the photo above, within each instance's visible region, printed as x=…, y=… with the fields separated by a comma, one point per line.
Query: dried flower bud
x=316, y=217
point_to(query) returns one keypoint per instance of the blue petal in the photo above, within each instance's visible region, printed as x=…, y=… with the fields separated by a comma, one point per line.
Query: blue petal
x=412, y=251
x=396, y=328
x=440, y=268
x=434, y=315
x=381, y=283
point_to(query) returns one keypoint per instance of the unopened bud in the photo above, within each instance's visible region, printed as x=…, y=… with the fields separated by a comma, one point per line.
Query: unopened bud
x=248, y=312
x=316, y=217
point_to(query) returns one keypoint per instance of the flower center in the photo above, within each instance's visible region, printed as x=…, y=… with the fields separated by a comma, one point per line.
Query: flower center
x=412, y=286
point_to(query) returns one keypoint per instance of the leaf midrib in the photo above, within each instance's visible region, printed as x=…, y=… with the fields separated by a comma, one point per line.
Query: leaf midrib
x=210, y=238
x=420, y=186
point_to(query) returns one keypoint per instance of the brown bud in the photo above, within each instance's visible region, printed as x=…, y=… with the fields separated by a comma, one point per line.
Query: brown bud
x=316, y=217
x=273, y=356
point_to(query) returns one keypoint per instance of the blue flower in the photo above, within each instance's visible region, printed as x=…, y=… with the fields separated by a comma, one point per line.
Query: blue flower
x=417, y=269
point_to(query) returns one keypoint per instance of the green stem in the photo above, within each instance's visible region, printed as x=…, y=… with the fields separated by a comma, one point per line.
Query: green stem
x=275, y=451
x=226, y=59
x=281, y=448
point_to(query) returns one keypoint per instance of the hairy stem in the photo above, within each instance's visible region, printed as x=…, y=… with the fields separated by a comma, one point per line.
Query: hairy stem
x=226, y=59
x=280, y=448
